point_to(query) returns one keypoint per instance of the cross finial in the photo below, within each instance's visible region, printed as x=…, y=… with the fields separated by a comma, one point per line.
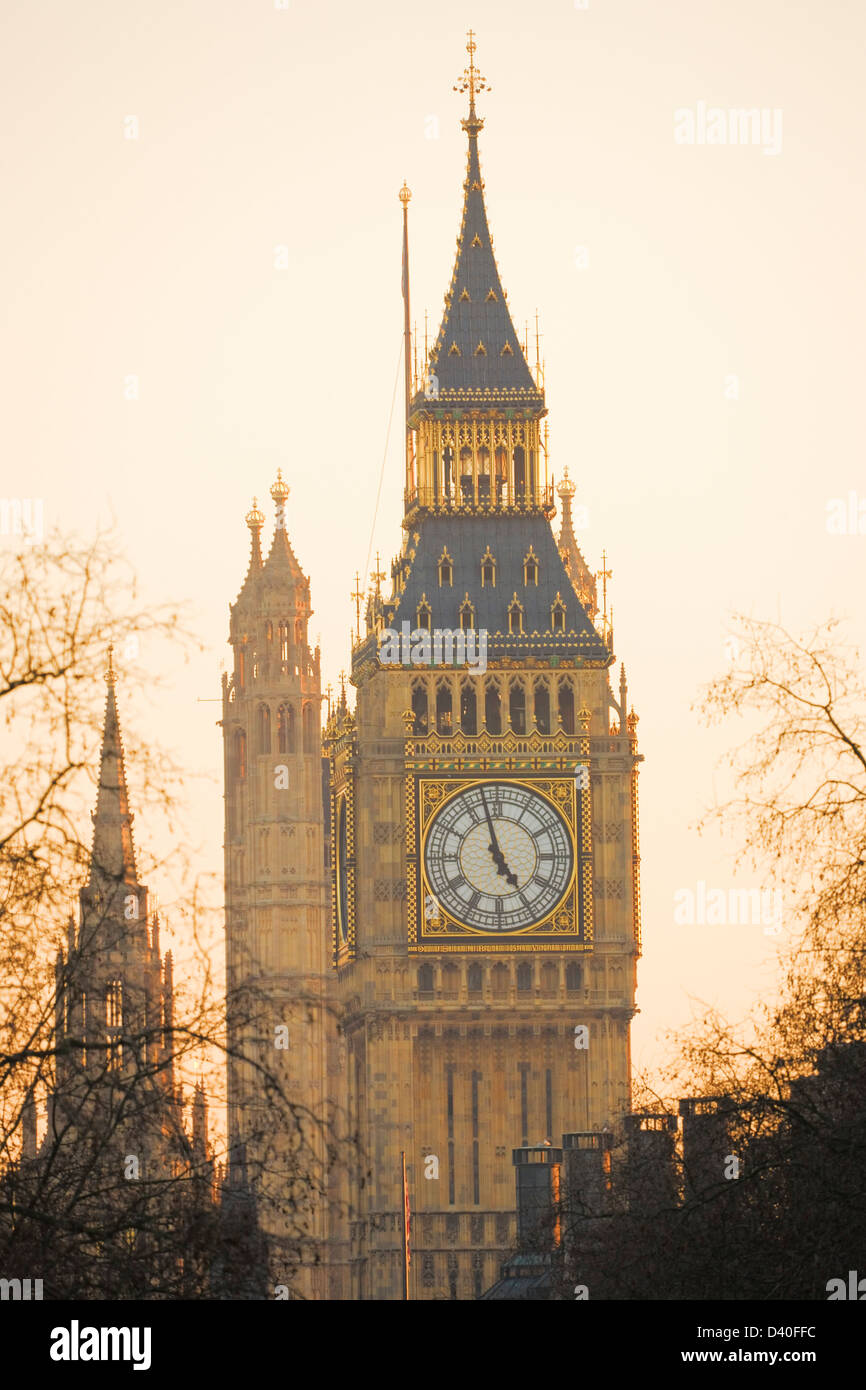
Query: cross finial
x=110, y=676
x=604, y=575
x=472, y=82
x=357, y=595
x=377, y=576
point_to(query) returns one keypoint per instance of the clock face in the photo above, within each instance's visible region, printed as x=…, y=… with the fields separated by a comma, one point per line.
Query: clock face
x=498, y=857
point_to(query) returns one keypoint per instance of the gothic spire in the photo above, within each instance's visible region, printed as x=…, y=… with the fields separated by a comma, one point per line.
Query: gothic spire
x=281, y=555
x=579, y=572
x=113, y=853
x=477, y=358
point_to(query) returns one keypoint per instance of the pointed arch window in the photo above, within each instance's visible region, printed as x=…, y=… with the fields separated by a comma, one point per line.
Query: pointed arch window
x=520, y=473
x=419, y=707
x=467, y=614
x=488, y=570
x=515, y=615
x=524, y=976
x=557, y=615
x=468, y=709
x=240, y=755
x=517, y=708
x=309, y=720
x=114, y=1022
x=446, y=570
x=264, y=729
x=542, y=707
x=549, y=977
x=269, y=632
x=530, y=568
x=425, y=980
x=566, y=707
x=286, y=729
x=573, y=977
x=474, y=979
x=299, y=632
x=114, y=1004
x=493, y=709
x=443, y=709
x=284, y=642
x=425, y=614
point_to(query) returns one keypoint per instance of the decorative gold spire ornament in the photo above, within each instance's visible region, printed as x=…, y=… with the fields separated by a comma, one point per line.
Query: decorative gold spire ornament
x=357, y=595
x=472, y=82
x=110, y=675
x=566, y=488
x=255, y=517
x=604, y=575
x=279, y=492
x=377, y=576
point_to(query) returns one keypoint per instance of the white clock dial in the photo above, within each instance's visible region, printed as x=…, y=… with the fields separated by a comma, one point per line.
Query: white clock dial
x=498, y=857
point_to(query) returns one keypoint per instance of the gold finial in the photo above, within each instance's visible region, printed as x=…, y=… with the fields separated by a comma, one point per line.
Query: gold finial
x=377, y=576
x=472, y=82
x=604, y=575
x=110, y=675
x=357, y=595
x=279, y=492
x=405, y=195
x=566, y=488
x=255, y=518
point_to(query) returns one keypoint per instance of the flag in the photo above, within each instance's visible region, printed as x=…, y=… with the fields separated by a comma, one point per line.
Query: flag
x=407, y=1215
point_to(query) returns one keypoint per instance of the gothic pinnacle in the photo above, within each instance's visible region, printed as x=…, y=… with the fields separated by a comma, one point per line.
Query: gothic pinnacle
x=255, y=519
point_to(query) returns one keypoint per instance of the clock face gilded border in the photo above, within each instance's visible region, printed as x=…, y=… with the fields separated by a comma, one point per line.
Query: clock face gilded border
x=564, y=908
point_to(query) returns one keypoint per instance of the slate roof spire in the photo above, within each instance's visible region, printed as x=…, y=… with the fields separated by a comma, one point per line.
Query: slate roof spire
x=281, y=561
x=113, y=854
x=477, y=358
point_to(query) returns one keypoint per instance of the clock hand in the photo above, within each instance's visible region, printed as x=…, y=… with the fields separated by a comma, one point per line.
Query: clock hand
x=498, y=857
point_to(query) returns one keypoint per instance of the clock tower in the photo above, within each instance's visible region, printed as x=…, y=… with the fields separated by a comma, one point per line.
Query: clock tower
x=485, y=901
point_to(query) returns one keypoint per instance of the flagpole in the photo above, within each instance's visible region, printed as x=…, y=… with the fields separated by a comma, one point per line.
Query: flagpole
x=404, y=1187
x=405, y=196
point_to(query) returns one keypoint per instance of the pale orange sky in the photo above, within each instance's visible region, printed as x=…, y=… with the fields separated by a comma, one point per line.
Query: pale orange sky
x=262, y=127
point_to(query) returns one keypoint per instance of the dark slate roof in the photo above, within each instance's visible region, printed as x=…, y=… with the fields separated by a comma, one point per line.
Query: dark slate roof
x=525, y=1277
x=472, y=377
x=509, y=539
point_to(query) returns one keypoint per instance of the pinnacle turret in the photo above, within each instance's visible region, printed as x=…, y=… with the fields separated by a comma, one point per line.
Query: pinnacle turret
x=579, y=572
